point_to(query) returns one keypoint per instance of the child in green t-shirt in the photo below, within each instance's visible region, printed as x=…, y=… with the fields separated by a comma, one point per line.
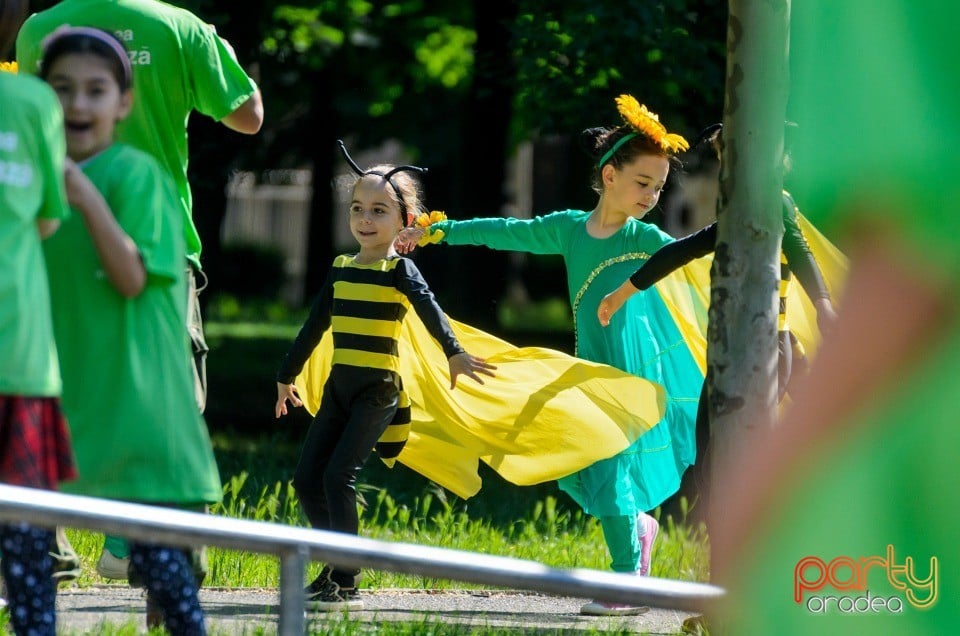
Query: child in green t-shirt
x=34, y=440
x=117, y=287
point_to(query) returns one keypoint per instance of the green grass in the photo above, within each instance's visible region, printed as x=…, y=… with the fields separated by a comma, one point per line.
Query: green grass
x=257, y=454
x=547, y=532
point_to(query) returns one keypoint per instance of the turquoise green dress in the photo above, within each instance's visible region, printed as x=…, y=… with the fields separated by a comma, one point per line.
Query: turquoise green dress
x=642, y=338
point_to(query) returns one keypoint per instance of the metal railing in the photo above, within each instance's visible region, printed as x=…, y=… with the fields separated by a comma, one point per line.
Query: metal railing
x=297, y=546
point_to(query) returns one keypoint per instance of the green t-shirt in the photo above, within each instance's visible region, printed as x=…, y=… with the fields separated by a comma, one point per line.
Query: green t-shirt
x=875, y=94
x=32, y=147
x=180, y=65
x=127, y=379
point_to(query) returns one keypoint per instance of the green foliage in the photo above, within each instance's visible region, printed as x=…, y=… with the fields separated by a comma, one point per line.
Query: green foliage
x=575, y=57
x=446, y=55
x=251, y=270
x=549, y=314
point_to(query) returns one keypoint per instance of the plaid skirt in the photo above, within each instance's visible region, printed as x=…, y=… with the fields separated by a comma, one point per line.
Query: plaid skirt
x=35, y=446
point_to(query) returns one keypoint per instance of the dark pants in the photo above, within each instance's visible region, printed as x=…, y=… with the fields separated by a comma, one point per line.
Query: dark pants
x=167, y=573
x=27, y=570
x=357, y=406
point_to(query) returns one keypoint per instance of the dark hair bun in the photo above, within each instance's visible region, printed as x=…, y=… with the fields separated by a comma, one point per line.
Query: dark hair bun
x=590, y=140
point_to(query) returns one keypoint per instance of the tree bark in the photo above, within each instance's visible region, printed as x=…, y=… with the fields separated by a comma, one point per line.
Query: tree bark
x=480, y=176
x=744, y=300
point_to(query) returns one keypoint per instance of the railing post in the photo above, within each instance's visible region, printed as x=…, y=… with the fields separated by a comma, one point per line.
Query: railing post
x=293, y=618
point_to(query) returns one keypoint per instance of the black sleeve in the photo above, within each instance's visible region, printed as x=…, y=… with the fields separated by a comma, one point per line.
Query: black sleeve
x=799, y=257
x=310, y=334
x=410, y=282
x=675, y=254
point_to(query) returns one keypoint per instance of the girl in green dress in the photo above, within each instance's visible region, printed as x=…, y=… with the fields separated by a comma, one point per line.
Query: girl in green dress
x=600, y=248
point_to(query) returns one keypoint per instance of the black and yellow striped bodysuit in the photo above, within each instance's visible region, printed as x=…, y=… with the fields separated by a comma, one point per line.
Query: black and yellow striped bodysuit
x=364, y=305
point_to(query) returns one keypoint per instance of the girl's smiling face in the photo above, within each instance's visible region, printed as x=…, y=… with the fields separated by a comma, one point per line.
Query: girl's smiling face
x=374, y=218
x=92, y=102
x=637, y=187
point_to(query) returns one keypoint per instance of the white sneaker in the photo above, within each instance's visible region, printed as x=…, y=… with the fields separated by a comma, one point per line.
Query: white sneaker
x=111, y=567
x=604, y=608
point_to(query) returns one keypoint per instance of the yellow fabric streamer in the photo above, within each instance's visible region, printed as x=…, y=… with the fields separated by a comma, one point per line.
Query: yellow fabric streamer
x=801, y=315
x=686, y=292
x=545, y=415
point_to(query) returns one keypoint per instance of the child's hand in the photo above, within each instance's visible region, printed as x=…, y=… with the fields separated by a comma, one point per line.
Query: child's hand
x=78, y=187
x=466, y=364
x=407, y=239
x=286, y=392
x=613, y=301
x=826, y=315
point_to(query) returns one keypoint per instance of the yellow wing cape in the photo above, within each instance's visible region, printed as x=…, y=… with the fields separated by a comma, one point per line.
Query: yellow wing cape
x=545, y=415
x=801, y=315
x=686, y=293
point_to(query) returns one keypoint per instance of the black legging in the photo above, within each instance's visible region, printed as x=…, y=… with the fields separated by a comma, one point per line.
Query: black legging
x=357, y=406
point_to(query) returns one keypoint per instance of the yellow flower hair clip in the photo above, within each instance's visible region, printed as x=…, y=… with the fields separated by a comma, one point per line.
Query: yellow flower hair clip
x=646, y=122
x=424, y=221
x=8, y=67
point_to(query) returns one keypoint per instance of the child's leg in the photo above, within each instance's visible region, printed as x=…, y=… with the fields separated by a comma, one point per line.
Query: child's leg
x=27, y=568
x=117, y=546
x=321, y=440
x=620, y=534
x=371, y=414
x=114, y=558
x=171, y=584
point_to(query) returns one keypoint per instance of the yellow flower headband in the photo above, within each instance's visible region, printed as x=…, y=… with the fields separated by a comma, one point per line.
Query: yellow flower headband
x=646, y=122
x=8, y=67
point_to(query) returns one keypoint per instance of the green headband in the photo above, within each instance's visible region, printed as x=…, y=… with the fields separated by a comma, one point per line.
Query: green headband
x=606, y=156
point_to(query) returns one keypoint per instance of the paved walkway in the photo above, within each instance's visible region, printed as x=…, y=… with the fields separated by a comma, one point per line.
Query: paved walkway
x=242, y=611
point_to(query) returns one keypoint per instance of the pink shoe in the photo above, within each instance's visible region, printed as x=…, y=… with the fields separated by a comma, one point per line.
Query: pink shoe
x=647, y=541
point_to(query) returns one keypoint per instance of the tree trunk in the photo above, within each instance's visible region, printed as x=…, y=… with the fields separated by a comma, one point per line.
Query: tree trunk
x=481, y=174
x=742, y=332
x=322, y=224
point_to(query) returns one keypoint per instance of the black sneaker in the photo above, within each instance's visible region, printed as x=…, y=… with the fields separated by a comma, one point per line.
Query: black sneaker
x=325, y=595
x=154, y=613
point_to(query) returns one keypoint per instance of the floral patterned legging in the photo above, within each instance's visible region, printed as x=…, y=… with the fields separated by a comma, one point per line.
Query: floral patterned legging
x=31, y=591
x=170, y=581
x=27, y=567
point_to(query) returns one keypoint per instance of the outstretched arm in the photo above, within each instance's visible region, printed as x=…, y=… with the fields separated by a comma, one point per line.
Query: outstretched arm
x=548, y=234
x=664, y=261
x=803, y=264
